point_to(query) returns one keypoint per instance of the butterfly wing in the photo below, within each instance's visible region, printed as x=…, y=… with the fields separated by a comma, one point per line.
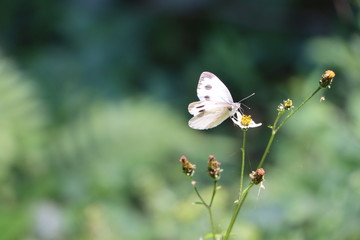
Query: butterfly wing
x=210, y=88
x=208, y=114
x=215, y=105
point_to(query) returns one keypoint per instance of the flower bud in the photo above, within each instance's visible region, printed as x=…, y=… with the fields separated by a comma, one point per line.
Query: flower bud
x=327, y=78
x=288, y=104
x=281, y=107
x=214, y=168
x=257, y=176
x=187, y=167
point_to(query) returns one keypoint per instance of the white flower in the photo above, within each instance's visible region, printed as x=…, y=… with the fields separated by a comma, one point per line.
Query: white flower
x=244, y=121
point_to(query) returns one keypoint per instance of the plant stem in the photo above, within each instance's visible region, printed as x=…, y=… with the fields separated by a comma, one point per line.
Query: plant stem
x=213, y=193
x=297, y=109
x=200, y=197
x=238, y=206
x=273, y=132
x=213, y=229
x=242, y=162
x=242, y=197
x=212, y=222
x=275, y=129
x=208, y=207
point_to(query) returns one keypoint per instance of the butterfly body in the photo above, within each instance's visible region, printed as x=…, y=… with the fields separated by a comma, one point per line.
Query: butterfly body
x=215, y=105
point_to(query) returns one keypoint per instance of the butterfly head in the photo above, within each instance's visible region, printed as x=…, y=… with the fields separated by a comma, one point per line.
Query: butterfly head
x=234, y=107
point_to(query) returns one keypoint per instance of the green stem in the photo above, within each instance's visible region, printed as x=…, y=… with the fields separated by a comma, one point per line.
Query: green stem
x=200, y=197
x=242, y=162
x=212, y=223
x=275, y=129
x=213, y=193
x=238, y=206
x=273, y=132
x=208, y=207
x=297, y=109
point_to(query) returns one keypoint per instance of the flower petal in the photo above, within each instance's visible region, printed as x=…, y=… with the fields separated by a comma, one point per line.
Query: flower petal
x=237, y=117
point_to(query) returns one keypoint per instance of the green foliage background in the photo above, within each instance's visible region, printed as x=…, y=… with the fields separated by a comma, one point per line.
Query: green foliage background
x=93, y=118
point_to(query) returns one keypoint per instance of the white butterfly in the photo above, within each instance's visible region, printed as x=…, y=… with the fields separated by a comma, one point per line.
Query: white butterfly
x=215, y=105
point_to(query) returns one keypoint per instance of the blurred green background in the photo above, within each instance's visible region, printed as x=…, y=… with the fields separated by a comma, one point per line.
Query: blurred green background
x=93, y=117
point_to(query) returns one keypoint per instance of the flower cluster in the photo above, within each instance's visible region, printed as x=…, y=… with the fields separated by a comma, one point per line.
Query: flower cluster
x=204, y=118
x=214, y=168
x=285, y=105
x=257, y=176
x=187, y=167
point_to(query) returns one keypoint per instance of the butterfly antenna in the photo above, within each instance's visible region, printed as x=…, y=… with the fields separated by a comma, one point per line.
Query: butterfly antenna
x=247, y=97
x=245, y=104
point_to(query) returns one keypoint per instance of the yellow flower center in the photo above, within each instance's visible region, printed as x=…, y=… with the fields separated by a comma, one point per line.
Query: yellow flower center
x=246, y=120
x=288, y=104
x=329, y=74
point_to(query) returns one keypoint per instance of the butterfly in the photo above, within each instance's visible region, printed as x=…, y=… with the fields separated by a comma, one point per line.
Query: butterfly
x=215, y=105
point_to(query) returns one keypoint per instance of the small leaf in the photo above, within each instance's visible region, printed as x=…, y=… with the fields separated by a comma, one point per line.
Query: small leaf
x=199, y=203
x=209, y=235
